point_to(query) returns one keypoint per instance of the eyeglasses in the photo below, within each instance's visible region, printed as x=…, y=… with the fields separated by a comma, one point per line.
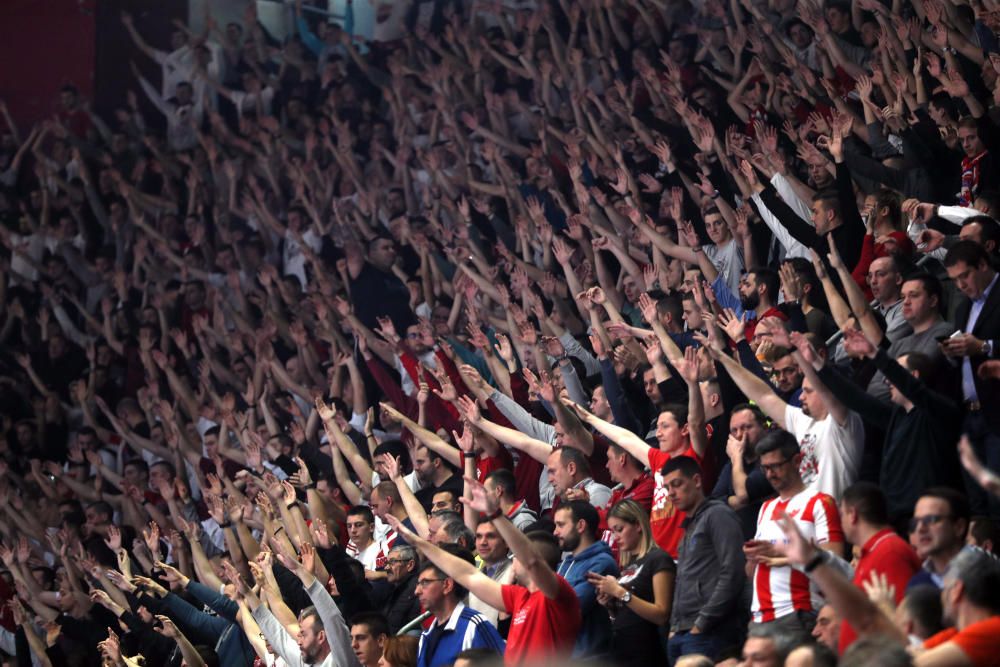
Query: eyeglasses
x=926, y=521
x=424, y=583
x=773, y=467
x=413, y=336
x=396, y=561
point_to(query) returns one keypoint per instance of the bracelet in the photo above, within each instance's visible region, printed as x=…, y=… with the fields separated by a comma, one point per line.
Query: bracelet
x=817, y=560
x=696, y=249
x=493, y=517
x=228, y=524
x=291, y=505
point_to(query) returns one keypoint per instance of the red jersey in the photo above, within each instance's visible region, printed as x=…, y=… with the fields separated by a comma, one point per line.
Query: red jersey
x=665, y=519
x=540, y=627
x=779, y=591
x=888, y=554
x=487, y=464
x=980, y=642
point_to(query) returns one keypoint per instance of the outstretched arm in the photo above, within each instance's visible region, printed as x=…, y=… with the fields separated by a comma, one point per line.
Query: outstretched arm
x=688, y=369
x=536, y=449
x=465, y=574
x=622, y=437
x=751, y=385
x=541, y=574
x=849, y=600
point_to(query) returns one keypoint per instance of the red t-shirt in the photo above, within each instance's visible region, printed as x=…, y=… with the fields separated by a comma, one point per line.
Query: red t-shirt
x=979, y=641
x=887, y=554
x=540, y=627
x=665, y=519
x=752, y=323
x=488, y=464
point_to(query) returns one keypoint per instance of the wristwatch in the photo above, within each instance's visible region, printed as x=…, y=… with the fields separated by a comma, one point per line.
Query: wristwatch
x=817, y=560
x=987, y=349
x=627, y=597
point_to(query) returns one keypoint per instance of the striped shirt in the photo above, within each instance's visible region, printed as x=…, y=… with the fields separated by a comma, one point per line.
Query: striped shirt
x=779, y=591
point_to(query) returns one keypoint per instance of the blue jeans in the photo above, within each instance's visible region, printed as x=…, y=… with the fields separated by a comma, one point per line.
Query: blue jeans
x=709, y=644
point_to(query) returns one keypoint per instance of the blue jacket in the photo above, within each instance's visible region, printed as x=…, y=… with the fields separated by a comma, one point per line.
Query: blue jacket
x=220, y=631
x=467, y=628
x=595, y=633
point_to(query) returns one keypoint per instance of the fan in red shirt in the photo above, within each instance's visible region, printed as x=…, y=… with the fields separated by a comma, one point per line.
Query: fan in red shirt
x=864, y=518
x=545, y=612
x=759, y=293
x=633, y=483
x=679, y=432
x=970, y=597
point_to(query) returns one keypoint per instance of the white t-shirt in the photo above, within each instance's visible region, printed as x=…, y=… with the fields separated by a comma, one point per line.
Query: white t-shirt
x=373, y=556
x=728, y=260
x=245, y=102
x=831, y=453
x=293, y=260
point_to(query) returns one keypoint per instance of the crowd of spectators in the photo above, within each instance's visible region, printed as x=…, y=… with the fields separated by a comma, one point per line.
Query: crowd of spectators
x=638, y=331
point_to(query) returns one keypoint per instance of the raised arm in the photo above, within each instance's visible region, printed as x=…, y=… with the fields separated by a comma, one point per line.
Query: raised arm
x=536, y=449
x=622, y=437
x=751, y=385
x=687, y=367
x=542, y=575
x=465, y=574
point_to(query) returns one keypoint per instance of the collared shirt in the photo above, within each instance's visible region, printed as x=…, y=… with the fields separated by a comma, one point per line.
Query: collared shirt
x=968, y=378
x=888, y=555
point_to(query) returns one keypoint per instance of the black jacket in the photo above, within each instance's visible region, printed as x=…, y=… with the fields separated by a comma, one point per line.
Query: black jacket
x=402, y=606
x=987, y=328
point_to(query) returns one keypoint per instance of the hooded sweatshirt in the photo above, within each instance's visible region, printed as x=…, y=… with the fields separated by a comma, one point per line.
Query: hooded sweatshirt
x=595, y=633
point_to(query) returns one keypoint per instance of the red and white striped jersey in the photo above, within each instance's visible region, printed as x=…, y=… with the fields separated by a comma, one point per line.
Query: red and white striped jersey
x=778, y=591
x=374, y=556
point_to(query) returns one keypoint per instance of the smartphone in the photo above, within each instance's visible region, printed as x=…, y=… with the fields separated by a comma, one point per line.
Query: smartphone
x=941, y=339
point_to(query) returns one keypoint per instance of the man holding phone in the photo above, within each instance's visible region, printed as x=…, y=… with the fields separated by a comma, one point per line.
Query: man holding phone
x=969, y=266
x=783, y=595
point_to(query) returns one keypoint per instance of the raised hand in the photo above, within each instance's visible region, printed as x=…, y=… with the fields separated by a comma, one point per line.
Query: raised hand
x=467, y=440
x=647, y=306
x=505, y=349
x=797, y=548
x=152, y=538
x=985, y=477
x=735, y=327
x=120, y=581
x=166, y=627
x=687, y=366
x=151, y=586
x=654, y=351
x=857, y=345
x=481, y=500
x=320, y=534
x=114, y=540
x=470, y=410
x=173, y=575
